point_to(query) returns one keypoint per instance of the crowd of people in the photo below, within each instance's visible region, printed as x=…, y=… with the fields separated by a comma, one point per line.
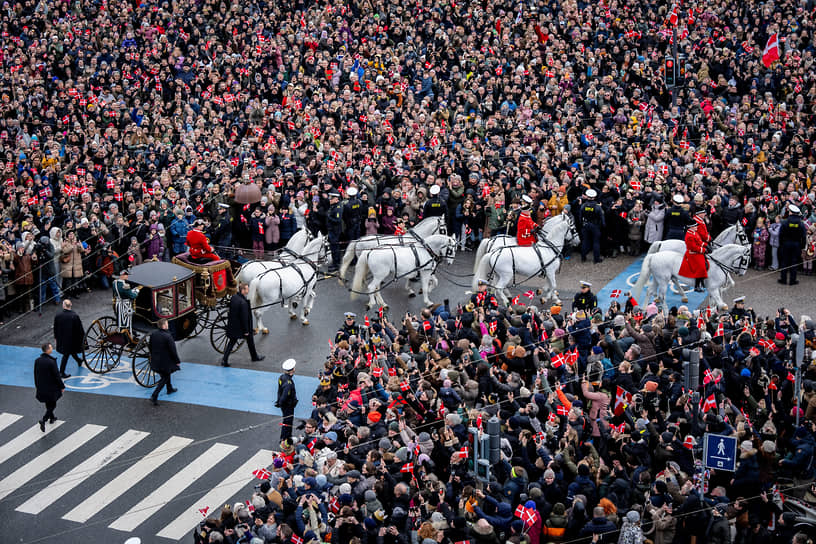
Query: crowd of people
x=599, y=435
x=125, y=124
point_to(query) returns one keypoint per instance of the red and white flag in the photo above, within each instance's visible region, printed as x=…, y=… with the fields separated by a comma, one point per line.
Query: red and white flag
x=615, y=293
x=558, y=360
x=407, y=467
x=294, y=539
x=719, y=330
x=622, y=398
x=376, y=372
x=261, y=474
x=203, y=511
x=771, y=53
x=710, y=403
x=561, y=410
x=462, y=453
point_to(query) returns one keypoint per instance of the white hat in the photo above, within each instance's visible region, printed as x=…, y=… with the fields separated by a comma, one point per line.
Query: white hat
x=739, y=299
x=434, y=190
x=527, y=199
x=288, y=364
x=352, y=191
x=591, y=193
x=678, y=199
x=793, y=208
x=586, y=284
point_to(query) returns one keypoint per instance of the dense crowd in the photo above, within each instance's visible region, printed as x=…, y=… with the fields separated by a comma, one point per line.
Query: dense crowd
x=599, y=439
x=125, y=122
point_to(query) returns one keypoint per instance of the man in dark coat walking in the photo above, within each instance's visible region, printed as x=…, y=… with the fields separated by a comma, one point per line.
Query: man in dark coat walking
x=48, y=383
x=164, y=359
x=239, y=325
x=69, y=332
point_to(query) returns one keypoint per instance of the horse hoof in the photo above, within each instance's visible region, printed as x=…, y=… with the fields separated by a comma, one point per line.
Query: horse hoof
x=294, y=305
x=420, y=291
x=293, y=317
x=684, y=300
x=411, y=295
x=265, y=331
x=304, y=322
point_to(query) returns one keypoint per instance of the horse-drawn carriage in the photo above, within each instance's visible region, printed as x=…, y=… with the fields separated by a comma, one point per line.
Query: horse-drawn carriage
x=165, y=290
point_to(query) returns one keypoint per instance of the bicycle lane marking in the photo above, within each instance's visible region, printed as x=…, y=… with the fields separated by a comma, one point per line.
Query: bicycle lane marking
x=202, y=385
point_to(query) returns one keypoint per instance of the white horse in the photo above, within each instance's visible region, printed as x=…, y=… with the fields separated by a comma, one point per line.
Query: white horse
x=734, y=234
x=665, y=266
x=503, y=240
x=425, y=228
x=293, y=248
x=402, y=262
x=542, y=258
x=287, y=284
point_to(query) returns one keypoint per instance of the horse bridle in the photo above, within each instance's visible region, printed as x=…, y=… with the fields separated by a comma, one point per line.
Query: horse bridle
x=740, y=268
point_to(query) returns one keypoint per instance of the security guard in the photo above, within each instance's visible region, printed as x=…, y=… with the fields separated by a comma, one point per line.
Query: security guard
x=584, y=300
x=334, y=226
x=434, y=207
x=792, y=237
x=349, y=328
x=592, y=216
x=287, y=398
x=676, y=220
x=353, y=214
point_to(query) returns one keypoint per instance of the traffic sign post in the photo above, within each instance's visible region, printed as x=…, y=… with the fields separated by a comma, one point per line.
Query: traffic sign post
x=720, y=452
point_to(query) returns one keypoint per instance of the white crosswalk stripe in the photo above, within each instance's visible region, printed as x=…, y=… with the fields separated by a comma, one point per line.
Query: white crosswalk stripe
x=81, y=472
x=45, y=460
x=222, y=492
x=127, y=479
x=16, y=445
x=7, y=419
x=180, y=481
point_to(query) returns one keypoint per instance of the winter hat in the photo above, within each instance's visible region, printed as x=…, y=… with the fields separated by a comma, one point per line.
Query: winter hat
x=345, y=488
x=321, y=480
x=370, y=495
x=632, y=516
x=530, y=505
x=768, y=446
x=558, y=509
x=746, y=445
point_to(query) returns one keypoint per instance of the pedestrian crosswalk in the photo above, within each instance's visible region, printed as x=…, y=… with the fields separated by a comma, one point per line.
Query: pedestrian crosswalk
x=125, y=480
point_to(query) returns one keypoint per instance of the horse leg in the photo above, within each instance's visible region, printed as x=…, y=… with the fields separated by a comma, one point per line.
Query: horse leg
x=425, y=279
x=501, y=283
x=411, y=292
x=683, y=297
x=259, y=320
x=373, y=289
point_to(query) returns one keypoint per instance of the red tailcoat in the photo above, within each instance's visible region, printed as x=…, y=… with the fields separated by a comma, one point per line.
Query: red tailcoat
x=199, y=246
x=525, y=233
x=694, y=261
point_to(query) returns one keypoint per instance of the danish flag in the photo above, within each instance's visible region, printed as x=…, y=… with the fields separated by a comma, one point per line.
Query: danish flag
x=203, y=511
x=561, y=410
x=462, y=453
x=709, y=403
x=262, y=473
x=294, y=539
x=719, y=330
x=636, y=185
x=771, y=52
x=376, y=372
x=622, y=398
x=529, y=294
x=404, y=386
x=615, y=293
x=710, y=377
x=407, y=467
x=558, y=360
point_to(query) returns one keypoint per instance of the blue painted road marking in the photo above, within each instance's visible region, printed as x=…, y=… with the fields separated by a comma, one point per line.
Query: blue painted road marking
x=203, y=385
x=627, y=279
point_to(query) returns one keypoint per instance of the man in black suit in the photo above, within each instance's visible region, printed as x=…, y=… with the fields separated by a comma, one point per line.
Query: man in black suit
x=69, y=333
x=48, y=383
x=239, y=325
x=164, y=359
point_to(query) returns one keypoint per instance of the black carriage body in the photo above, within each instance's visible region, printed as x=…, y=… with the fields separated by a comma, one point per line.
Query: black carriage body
x=167, y=291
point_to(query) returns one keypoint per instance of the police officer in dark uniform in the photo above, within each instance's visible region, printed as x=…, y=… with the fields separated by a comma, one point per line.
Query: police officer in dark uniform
x=287, y=398
x=353, y=214
x=349, y=328
x=334, y=226
x=676, y=220
x=584, y=299
x=592, y=216
x=739, y=312
x=792, y=237
x=434, y=207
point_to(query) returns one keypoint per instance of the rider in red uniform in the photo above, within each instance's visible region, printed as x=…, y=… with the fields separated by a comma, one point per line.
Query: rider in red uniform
x=199, y=245
x=694, y=260
x=526, y=229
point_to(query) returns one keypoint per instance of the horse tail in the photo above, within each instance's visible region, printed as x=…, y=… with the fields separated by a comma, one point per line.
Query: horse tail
x=480, y=251
x=348, y=256
x=645, y=272
x=360, y=273
x=482, y=271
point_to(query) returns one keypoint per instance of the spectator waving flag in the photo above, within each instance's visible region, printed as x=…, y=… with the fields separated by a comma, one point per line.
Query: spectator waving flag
x=261, y=474
x=622, y=399
x=710, y=403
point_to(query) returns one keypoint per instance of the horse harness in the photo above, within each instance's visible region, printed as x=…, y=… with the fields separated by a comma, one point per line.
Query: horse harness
x=739, y=269
x=293, y=266
x=543, y=270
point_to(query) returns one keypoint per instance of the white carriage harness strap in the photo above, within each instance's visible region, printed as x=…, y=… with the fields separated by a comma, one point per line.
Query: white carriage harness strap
x=291, y=266
x=739, y=269
x=556, y=255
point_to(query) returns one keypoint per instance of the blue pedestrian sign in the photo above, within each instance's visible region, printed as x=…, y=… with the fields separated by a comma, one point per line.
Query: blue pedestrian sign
x=720, y=452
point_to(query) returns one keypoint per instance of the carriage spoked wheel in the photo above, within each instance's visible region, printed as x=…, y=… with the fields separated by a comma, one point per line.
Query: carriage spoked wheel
x=140, y=364
x=203, y=315
x=103, y=345
x=218, y=333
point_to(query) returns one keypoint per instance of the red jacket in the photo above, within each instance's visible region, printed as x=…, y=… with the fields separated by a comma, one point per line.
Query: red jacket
x=199, y=246
x=694, y=261
x=525, y=234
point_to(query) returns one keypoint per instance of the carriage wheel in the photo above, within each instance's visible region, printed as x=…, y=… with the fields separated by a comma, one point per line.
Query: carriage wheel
x=218, y=333
x=202, y=320
x=102, y=346
x=142, y=372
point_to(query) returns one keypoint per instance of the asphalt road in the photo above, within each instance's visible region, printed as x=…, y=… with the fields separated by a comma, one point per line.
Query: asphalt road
x=93, y=458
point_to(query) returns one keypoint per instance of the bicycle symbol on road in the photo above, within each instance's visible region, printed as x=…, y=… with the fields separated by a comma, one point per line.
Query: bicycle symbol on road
x=121, y=374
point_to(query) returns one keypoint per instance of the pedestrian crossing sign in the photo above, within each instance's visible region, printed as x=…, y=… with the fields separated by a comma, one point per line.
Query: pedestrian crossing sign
x=720, y=452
